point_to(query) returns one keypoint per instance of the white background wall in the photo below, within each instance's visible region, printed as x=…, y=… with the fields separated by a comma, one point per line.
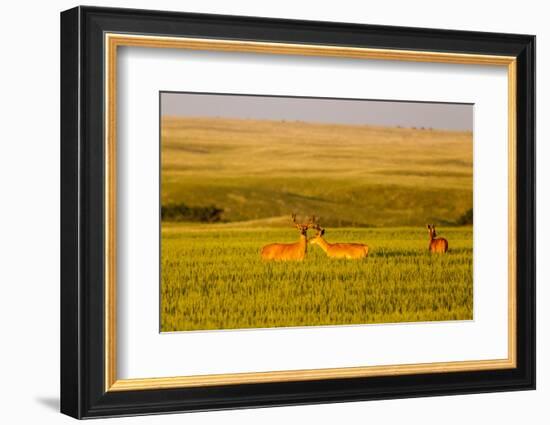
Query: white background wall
x=29, y=212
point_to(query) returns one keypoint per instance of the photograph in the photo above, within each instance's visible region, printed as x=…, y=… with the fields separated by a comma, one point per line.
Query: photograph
x=284, y=211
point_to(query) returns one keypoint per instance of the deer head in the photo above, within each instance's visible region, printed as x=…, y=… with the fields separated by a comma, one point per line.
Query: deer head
x=431, y=230
x=303, y=227
x=320, y=231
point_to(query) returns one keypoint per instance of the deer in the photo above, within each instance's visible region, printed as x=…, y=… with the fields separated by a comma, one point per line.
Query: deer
x=289, y=251
x=437, y=245
x=338, y=250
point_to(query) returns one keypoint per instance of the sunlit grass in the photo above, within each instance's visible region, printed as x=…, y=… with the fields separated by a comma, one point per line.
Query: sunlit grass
x=213, y=278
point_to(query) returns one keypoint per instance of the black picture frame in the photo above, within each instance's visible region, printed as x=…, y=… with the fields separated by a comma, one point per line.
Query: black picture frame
x=82, y=212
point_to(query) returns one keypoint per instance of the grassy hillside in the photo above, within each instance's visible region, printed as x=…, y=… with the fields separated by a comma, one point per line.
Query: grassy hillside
x=260, y=171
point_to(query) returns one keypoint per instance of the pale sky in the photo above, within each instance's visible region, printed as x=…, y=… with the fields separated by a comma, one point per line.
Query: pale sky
x=448, y=116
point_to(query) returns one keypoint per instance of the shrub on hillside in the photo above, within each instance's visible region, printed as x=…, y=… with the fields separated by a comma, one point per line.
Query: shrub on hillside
x=466, y=218
x=182, y=212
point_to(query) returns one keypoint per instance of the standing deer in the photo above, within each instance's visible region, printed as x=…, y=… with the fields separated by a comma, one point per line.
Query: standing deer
x=288, y=251
x=437, y=245
x=339, y=250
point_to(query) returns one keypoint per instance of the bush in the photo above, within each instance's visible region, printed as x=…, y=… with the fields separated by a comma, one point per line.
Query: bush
x=182, y=212
x=466, y=218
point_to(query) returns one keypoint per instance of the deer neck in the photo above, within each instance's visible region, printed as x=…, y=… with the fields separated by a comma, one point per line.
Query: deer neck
x=323, y=244
x=303, y=242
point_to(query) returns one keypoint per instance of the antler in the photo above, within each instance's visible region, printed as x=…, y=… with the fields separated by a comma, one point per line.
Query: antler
x=313, y=223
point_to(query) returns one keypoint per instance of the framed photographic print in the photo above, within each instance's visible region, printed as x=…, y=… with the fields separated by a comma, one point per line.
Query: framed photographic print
x=261, y=212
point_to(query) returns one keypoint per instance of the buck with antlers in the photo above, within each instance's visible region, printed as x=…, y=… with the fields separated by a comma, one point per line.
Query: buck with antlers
x=437, y=245
x=338, y=250
x=289, y=251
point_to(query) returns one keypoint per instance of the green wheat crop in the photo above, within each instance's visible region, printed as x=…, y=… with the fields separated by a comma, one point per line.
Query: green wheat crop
x=213, y=278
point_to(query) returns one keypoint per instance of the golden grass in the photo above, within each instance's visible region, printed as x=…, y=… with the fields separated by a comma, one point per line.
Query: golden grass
x=214, y=278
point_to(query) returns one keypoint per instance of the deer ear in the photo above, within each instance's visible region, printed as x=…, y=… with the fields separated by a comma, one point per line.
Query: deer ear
x=428, y=226
x=322, y=232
